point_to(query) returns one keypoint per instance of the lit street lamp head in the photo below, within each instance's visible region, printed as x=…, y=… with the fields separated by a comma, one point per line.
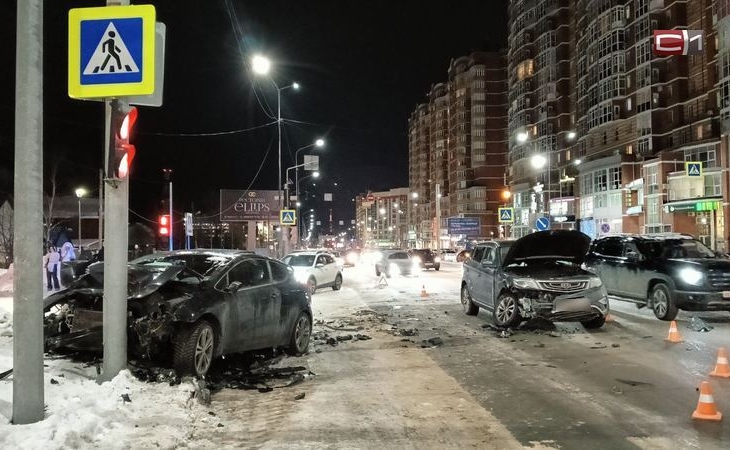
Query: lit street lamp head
x=538, y=161
x=319, y=142
x=80, y=192
x=521, y=137
x=260, y=64
x=315, y=175
x=295, y=86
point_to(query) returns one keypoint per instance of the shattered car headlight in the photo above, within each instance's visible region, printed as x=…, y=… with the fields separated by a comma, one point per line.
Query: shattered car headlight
x=690, y=276
x=595, y=282
x=525, y=283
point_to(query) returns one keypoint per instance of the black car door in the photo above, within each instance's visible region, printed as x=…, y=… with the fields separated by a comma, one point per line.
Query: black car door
x=608, y=258
x=249, y=299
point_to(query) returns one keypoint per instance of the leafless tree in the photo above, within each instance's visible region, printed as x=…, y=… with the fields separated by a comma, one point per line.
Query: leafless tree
x=48, y=210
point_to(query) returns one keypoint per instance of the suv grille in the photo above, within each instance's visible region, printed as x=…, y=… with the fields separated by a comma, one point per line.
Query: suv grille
x=719, y=279
x=563, y=286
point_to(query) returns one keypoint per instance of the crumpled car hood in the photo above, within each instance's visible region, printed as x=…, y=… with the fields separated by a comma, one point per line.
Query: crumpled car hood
x=141, y=281
x=569, y=245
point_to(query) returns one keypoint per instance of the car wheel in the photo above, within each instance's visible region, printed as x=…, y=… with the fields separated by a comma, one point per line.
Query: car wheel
x=311, y=285
x=662, y=303
x=507, y=312
x=194, y=349
x=437, y=268
x=300, y=335
x=338, y=283
x=594, y=324
x=470, y=309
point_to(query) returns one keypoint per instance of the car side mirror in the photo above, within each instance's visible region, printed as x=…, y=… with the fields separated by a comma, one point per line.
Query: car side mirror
x=234, y=286
x=319, y=265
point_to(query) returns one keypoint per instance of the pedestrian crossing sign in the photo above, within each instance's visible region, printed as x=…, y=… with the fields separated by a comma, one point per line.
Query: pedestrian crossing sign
x=693, y=168
x=288, y=217
x=506, y=215
x=111, y=51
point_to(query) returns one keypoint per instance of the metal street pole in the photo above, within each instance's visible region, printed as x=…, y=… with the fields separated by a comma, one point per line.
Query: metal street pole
x=28, y=391
x=283, y=237
x=171, y=221
x=79, y=226
x=438, y=217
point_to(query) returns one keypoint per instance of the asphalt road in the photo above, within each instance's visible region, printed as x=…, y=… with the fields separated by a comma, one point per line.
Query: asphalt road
x=619, y=387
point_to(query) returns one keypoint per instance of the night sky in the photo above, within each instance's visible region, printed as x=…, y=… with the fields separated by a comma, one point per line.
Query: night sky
x=363, y=66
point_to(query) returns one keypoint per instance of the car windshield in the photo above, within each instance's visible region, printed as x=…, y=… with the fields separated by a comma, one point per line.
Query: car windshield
x=682, y=248
x=201, y=264
x=299, y=260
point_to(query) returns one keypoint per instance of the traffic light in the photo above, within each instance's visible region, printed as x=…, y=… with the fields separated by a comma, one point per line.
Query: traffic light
x=163, y=225
x=121, y=152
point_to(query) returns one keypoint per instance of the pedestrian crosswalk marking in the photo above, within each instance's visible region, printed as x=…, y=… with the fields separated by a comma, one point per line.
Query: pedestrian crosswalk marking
x=111, y=55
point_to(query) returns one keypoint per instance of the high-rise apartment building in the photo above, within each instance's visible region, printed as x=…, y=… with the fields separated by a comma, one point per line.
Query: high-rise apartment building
x=465, y=120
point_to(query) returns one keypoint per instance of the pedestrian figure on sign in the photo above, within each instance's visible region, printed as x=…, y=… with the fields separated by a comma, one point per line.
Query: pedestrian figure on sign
x=52, y=264
x=110, y=48
x=67, y=252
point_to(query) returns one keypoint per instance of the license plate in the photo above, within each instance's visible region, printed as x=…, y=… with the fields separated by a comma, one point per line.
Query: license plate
x=571, y=305
x=725, y=294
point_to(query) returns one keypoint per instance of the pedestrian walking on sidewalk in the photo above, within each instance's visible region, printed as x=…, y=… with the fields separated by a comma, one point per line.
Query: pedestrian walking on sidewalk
x=67, y=252
x=52, y=263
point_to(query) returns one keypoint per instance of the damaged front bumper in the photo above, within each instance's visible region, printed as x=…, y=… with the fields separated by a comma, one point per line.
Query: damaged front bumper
x=574, y=307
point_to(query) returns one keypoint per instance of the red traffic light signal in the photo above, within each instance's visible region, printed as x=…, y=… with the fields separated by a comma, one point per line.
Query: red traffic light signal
x=163, y=225
x=121, y=152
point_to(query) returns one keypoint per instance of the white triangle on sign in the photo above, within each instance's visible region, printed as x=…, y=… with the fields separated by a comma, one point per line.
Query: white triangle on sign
x=506, y=215
x=111, y=55
x=694, y=169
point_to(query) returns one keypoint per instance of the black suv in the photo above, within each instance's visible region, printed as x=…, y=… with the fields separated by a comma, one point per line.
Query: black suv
x=666, y=272
x=426, y=258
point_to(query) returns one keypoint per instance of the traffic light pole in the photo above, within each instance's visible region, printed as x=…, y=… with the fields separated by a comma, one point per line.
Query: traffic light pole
x=116, y=201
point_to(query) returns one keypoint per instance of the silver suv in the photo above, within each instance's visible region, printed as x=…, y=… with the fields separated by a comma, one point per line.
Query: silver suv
x=315, y=269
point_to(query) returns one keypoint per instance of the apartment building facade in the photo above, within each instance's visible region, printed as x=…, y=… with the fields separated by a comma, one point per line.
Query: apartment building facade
x=466, y=128
x=382, y=218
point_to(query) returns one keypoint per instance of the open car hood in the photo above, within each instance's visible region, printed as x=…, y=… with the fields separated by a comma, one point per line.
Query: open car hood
x=569, y=245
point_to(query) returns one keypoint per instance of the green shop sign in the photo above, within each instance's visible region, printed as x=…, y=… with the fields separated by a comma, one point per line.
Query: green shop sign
x=707, y=205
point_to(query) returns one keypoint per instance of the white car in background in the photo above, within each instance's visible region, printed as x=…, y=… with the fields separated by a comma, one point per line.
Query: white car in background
x=316, y=269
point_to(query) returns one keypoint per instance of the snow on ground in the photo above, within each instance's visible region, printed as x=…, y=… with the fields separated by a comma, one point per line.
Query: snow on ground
x=81, y=413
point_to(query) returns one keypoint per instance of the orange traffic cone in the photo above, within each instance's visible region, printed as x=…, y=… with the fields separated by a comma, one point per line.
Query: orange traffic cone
x=722, y=369
x=610, y=318
x=424, y=294
x=674, y=333
x=706, y=409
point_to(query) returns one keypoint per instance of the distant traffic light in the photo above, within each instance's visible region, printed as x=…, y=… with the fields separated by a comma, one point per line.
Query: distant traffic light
x=121, y=152
x=163, y=225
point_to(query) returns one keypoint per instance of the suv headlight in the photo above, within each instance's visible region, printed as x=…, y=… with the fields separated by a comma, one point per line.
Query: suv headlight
x=690, y=276
x=525, y=283
x=416, y=260
x=595, y=282
x=437, y=259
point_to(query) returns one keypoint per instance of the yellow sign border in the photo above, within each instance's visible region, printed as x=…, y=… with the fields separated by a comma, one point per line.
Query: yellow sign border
x=281, y=216
x=511, y=213
x=686, y=168
x=146, y=86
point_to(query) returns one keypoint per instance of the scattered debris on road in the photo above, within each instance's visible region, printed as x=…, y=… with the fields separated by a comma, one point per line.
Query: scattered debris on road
x=697, y=324
x=408, y=331
x=300, y=396
x=126, y=399
x=432, y=342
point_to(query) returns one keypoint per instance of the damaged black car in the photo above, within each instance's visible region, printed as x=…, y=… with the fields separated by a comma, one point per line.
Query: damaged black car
x=187, y=307
x=536, y=276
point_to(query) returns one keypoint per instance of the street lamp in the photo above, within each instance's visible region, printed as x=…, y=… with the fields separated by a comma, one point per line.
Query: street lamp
x=80, y=192
x=299, y=203
x=262, y=66
x=317, y=143
x=538, y=162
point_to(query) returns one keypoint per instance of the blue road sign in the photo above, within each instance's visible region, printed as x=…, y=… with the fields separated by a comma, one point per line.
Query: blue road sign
x=469, y=226
x=542, y=223
x=288, y=217
x=111, y=51
x=693, y=168
x=506, y=215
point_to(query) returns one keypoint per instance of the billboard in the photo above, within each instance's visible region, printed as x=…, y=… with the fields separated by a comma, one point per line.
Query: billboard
x=469, y=226
x=241, y=205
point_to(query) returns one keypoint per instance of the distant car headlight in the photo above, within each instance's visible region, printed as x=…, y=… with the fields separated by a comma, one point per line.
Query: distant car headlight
x=416, y=260
x=595, y=282
x=525, y=283
x=352, y=258
x=690, y=276
x=437, y=259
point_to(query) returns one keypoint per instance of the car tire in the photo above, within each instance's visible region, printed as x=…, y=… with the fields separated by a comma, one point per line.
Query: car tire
x=300, y=335
x=507, y=311
x=194, y=349
x=662, y=303
x=470, y=309
x=594, y=324
x=311, y=285
x=338, y=283
x=437, y=268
